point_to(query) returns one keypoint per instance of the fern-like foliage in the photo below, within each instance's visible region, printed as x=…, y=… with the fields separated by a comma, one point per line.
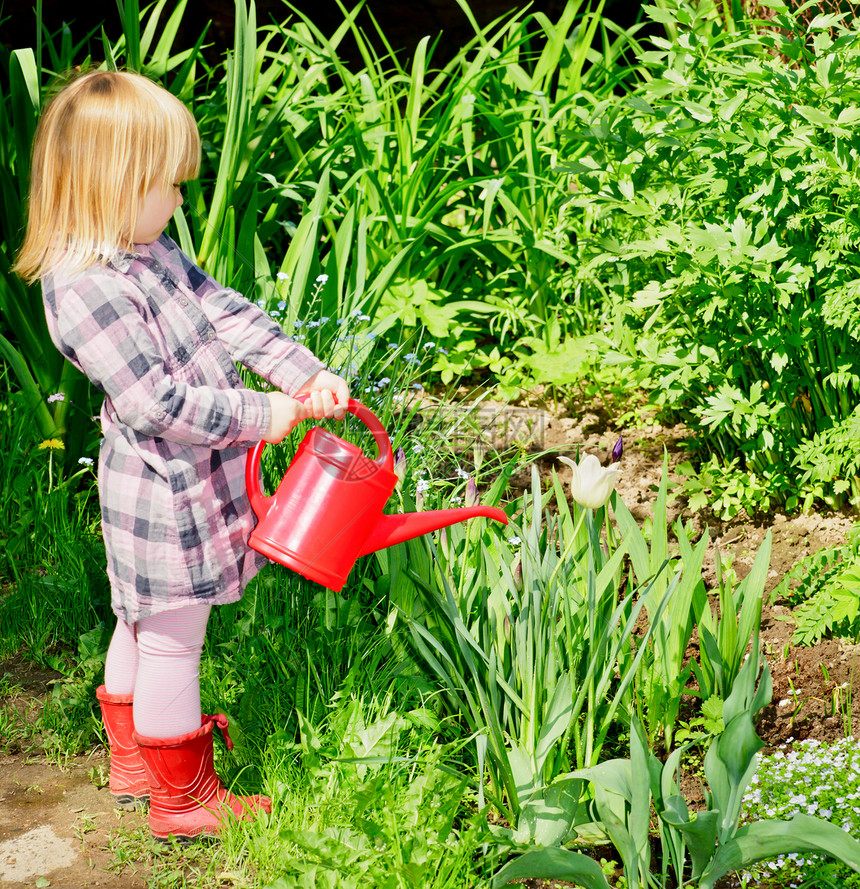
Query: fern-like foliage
x=832, y=455
x=824, y=590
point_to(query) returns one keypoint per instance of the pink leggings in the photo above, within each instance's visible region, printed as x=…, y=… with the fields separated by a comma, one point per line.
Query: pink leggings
x=158, y=661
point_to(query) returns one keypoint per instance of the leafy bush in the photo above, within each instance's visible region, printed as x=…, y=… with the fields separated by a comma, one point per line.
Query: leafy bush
x=723, y=193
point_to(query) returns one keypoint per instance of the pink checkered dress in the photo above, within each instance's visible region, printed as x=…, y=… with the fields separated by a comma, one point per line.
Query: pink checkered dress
x=160, y=337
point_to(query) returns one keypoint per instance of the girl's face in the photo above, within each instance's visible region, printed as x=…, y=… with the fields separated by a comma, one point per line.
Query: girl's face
x=155, y=212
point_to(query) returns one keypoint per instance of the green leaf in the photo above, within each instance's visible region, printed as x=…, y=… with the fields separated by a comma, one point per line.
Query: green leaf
x=767, y=839
x=552, y=864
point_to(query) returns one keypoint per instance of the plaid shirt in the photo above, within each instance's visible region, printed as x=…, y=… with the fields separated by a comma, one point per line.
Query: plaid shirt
x=160, y=337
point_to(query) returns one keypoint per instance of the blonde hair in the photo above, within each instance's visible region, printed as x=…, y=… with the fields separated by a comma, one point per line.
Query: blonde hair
x=102, y=143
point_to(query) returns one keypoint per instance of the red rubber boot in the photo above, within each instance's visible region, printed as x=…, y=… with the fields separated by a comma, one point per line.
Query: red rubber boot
x=187, y=798
x=128, y=782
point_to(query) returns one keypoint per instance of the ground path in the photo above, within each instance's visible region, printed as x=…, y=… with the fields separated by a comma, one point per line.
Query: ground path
x=55, y=824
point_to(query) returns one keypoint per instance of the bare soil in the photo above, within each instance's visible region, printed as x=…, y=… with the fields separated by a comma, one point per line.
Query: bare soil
x=56, y=823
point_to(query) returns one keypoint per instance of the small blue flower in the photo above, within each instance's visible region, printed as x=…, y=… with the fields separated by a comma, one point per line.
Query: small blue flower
x=85, y=461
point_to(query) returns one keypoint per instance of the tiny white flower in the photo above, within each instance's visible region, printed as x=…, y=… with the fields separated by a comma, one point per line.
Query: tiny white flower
x=85, y=461
x=57, y=396
x=514, y=541
x=321, y=279
x=283, y=276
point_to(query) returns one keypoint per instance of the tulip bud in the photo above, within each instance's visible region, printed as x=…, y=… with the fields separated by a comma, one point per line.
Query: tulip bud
x=419, y=501
x=471, y=496
x=478, y=452
x=518, y=574
x=506, y=628
x=400, y=467
x=618, y=450
x=591, y=484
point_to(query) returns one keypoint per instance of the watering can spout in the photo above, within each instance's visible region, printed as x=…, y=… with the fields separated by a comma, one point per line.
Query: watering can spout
x=391, y=529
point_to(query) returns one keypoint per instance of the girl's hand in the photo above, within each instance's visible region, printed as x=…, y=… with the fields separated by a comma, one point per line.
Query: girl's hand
x=329, y=395
x=286, y=413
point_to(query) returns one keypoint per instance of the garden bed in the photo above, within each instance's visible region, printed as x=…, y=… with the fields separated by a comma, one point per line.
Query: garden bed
x=65, y=809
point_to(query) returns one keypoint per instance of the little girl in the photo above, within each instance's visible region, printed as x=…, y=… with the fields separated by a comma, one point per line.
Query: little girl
x=160, y=338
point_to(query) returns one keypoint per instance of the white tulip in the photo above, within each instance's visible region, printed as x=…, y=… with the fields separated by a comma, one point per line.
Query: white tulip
x=591, y=484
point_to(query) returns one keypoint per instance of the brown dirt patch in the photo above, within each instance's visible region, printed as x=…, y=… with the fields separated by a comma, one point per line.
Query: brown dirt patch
x=55, y=821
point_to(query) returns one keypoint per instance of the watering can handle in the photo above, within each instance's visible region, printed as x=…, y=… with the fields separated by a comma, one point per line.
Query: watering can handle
x=259, y=501
x=377, y=430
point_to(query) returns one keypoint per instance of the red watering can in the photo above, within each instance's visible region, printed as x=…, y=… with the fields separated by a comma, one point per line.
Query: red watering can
x=327, y=510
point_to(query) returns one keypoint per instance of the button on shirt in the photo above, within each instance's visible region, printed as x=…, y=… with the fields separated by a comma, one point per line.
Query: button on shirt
x=161, y=339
